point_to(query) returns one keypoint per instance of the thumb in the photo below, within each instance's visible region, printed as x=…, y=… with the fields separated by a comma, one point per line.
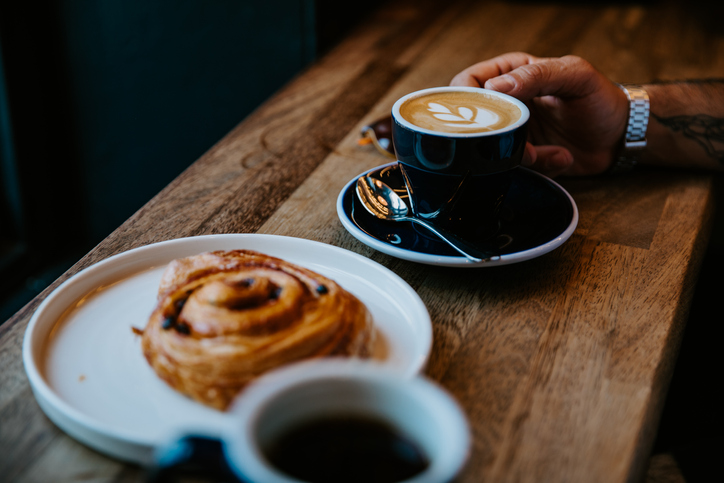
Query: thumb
x=568, y=76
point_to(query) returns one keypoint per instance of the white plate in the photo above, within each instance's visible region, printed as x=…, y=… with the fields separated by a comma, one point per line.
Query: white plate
x=88, y=373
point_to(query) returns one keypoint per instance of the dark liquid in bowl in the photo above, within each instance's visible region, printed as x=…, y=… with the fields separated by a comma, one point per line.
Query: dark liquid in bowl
x=350, y=449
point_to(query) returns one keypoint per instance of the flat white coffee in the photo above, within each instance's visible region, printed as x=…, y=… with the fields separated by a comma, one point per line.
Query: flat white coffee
x=459, y=112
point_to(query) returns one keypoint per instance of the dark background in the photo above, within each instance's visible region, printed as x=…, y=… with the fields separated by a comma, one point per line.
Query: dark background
x=103, y=103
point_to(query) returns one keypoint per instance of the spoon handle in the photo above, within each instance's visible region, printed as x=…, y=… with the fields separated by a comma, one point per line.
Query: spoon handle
x=471, y=252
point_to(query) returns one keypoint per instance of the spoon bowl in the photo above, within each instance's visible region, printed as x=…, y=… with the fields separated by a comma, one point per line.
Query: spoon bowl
x=381, y=201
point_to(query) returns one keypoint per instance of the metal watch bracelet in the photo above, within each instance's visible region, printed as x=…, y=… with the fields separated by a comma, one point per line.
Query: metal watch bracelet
x=635, y=138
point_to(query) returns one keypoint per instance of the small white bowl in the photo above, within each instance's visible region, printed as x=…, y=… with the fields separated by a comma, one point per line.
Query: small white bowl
x=416, y=407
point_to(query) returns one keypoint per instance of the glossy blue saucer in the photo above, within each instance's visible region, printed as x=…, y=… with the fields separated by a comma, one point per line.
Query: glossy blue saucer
x=537, y=216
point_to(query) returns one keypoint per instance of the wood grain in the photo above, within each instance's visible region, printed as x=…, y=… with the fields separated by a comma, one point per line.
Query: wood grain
x=562, y=362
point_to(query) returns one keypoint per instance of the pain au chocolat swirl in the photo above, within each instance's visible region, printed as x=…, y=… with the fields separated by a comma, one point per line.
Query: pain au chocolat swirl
x=224, y=317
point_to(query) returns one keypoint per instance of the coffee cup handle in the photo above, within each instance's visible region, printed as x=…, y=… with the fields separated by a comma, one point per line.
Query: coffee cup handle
x=198, y=457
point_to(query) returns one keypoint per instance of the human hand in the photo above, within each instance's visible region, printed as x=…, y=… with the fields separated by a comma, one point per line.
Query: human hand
x=578, y=116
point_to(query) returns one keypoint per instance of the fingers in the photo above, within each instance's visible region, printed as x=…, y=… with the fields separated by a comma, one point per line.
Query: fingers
x=565, y=77
x=529, y=155
x=525, y=76
x=552, y=160
x=549, y=160
x=578, y=107
x=478, y=74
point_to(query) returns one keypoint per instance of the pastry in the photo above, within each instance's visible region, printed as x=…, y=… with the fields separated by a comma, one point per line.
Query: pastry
x=224, y=317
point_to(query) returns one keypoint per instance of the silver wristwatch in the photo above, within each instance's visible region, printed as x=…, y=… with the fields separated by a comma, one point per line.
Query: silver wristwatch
x=635, y=139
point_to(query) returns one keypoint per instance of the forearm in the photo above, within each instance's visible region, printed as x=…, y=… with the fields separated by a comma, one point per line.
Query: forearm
x=686, y=125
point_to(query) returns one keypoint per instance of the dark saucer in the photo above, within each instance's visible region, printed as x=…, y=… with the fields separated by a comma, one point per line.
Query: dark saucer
x=538, y=215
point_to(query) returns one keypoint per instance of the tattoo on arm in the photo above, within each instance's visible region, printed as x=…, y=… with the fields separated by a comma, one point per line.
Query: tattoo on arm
x=706, y=130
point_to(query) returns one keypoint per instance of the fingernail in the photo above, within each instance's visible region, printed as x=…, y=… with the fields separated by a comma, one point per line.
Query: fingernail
x=503, y=83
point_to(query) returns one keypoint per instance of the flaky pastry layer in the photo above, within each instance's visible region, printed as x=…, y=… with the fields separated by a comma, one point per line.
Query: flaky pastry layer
x=225, y=317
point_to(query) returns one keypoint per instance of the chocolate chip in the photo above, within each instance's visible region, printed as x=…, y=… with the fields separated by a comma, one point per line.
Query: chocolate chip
x=168, y=322
x=183, y=328
x=321, y=289
x=179, y=304
x=276, y=293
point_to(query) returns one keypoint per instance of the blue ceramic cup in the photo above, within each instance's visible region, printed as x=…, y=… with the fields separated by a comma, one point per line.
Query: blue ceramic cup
x=426, y=420
x=457, y=148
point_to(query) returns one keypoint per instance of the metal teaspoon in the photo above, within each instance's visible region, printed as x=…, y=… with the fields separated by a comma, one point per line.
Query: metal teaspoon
x=382, y=201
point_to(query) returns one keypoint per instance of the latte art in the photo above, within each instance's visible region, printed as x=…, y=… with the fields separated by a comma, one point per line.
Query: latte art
x=459, y=112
